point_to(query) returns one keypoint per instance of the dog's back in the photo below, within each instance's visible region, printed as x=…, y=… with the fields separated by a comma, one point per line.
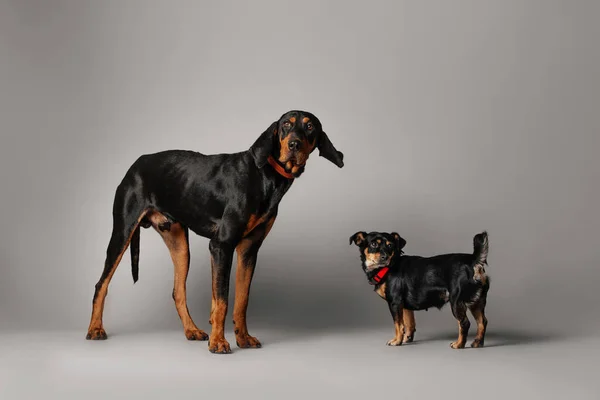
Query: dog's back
x=431, y=282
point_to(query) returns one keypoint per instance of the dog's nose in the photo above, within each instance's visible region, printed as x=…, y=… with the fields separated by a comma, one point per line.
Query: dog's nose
x=383, y=257
x=294, y=145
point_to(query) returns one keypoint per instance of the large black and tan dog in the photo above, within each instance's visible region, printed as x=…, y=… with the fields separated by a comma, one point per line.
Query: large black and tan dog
x=418, y=283
x=232, y=199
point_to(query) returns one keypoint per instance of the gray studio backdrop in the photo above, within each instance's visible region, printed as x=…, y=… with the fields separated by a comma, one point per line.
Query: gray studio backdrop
x=454, y=117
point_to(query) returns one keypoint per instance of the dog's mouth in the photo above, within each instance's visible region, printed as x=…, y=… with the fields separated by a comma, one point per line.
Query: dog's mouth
x=371, y=265
x=293, y=165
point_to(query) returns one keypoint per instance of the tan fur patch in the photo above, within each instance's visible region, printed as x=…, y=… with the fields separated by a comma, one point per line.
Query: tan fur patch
x=479, y=315
x=301, y=156
x=381, y=290
x=242, y=288
x=360, y=238
x=269, y=225
x=479, y=274
x=408, y=318
x=399, y=327
x=253, y=222
x=177, y=243
x=372, y=258
x=98, y=305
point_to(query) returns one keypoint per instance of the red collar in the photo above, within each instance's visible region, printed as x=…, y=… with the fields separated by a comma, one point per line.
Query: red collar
x=378, y=277
x=280, y=170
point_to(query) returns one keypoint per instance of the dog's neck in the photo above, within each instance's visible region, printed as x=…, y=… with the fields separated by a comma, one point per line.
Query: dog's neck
x=377, y=276
x=279, y=168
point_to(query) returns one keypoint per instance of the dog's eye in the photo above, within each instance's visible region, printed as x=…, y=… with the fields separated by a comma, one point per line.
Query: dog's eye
x=374, y=245
x=309, y=126
x=287, y=124
x=389, y=245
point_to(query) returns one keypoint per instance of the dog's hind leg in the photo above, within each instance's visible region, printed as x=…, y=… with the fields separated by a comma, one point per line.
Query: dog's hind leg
x=478, y=311
x=459, y=310
x=176, y=237
x=127, y=214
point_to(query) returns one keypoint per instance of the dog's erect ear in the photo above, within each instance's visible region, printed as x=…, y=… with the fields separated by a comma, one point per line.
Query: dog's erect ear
x=358, y=238
x=400, y=242
x=328, y=150
x=263, y=146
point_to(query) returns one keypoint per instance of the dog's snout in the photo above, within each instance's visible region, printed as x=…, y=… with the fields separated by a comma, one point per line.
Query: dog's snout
x=383, y=256
x=294, y=145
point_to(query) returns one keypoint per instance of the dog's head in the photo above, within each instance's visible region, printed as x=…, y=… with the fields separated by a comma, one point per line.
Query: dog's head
x=377, y=249
x=290, y=141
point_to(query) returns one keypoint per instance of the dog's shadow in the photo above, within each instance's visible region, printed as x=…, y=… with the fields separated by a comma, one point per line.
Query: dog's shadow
x=499, y=338
x=492, y=339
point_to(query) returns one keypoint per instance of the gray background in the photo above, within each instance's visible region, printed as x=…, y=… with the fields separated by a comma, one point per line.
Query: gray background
x=454, y=117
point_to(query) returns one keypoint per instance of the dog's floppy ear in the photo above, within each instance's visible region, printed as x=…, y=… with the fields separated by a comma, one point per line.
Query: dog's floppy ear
x=328, y=150
x=400, y=242
x=358, y=238
x=263, y=146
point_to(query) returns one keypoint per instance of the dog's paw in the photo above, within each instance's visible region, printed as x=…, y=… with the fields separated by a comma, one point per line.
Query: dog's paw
x=477, y=343
x=408, y=339
x=196, y=334
x=457, y=345
x=247, y=342
x=96, y=334
x=394, y=342
x=219, y=346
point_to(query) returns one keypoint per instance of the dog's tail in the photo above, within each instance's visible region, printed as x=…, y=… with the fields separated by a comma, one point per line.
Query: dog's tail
x=134, y=248
x=480, y=249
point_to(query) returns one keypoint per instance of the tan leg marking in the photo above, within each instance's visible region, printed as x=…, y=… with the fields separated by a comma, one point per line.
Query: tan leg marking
x=96, y=330
x=399, y=326
x=479, y=315
x=217, y=342
x=178, y=246
x=381, y=290
x=463, y=330
x=243, y=279
x=243, y=282
x=459, y=310
x=408, y=317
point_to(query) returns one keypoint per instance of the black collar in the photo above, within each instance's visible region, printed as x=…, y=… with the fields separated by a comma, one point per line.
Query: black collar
x=377, y=276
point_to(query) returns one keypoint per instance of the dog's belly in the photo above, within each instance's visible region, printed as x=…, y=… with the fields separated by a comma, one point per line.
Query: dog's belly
x=201, y=216
x=206, y=230
x=162, y=220
x=423, y=300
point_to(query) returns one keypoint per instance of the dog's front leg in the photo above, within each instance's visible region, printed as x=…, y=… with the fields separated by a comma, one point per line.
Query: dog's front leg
x=408, y=321
x=221, y=257
x=247, y=251
x=397, y=314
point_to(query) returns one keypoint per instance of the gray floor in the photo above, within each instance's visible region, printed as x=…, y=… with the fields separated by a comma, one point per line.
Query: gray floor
x=297, y=365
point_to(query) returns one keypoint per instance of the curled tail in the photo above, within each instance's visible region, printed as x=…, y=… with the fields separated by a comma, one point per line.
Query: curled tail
x=134, y=248
x=480, y=248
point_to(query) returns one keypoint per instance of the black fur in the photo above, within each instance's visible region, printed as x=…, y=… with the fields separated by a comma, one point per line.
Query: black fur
x=420, y=283
x=215, y=196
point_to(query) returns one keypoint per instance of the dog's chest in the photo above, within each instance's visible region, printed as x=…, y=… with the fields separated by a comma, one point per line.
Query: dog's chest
x=380, y=290
x=257, y=219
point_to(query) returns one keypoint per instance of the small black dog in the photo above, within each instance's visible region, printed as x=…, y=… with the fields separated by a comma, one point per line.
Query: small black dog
x=419, y=283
